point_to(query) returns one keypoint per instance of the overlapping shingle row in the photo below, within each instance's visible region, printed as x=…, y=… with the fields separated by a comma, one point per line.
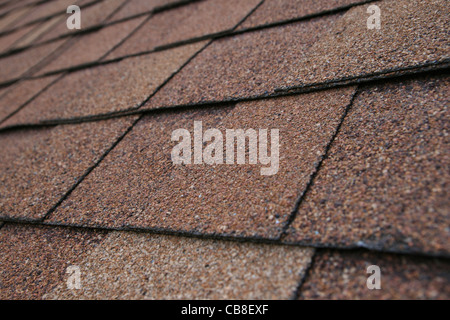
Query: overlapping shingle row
x=363, y=122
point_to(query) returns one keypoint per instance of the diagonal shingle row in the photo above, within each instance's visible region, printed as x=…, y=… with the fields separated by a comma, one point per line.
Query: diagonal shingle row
x=359, y=167
x=127, y=265
x=38, y=262
x=268, y=63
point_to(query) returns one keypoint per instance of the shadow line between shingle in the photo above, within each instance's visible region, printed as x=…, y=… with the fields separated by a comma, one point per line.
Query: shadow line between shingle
x=441, y=67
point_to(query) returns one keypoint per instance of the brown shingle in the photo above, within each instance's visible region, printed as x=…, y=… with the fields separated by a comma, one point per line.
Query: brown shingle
x=385, y=182
x=250, y=64
x=43, y=11
x=105, y=89
x=13, y=5
x=92, y=46
x=325, y=49
x=413, y=32
x=36, y=32
x=189, y=21
x=39, y=166
x=138, y=185
x=7, y=41
x=34, y=259
x=141, y=266
x=14, y=97
x=343, y=275
x=11, y=17
x=90, y=16
x=135, y=7
x=272, y=11
x=19, y=64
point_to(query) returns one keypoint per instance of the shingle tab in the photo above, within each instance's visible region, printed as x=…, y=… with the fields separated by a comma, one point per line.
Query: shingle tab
x=189, y=21
x=137, y=7
x=93, y=15
x=141, y=266
x=106, y=88
x=91, y=47
x=12, y=16
x=251, y=64
x=39, y=166
x=37, y=31
x=34, y=259
x=325, y=49
x=16, y=96
x=138, y=185
x=19, y=64
x=272, y=11
x=385, y=182
x=43, y=11
x=8, y=40
x=343, y=275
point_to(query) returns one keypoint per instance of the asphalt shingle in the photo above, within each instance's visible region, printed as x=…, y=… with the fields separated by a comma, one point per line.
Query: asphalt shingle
x=92, y=90
x=14, y=97
x=41, y=12
x=17, y=65
x=91, y=47
x=9, y=18
x=138, y=185
x=34, y=259
x=141, y=266
x=273, y=11
x=385, y=182
x=189, y=21
x=91, y=16
x=343, y=275
x=7, y=41
x=362, y=169
x=139, y=7
x=39, y=166
x=326, y=49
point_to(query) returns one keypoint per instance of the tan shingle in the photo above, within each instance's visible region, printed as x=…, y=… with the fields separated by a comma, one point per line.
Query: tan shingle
x=140, y=266
x=34, y=259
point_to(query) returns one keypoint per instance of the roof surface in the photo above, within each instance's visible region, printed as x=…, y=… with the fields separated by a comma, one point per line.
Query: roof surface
x=87, y=119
